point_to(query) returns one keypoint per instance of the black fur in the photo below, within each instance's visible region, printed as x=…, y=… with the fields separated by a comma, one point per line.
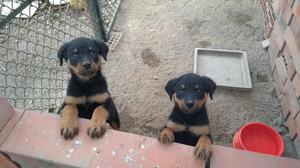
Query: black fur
x=197, y=118
x=185, y=115
x=189, y=89
x=66, y=51
x=96, y=84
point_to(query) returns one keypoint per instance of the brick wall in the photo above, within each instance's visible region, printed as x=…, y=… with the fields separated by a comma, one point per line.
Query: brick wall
x=284, y=51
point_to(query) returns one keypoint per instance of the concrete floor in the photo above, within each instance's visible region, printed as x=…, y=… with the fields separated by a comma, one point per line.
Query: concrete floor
x=158, y=44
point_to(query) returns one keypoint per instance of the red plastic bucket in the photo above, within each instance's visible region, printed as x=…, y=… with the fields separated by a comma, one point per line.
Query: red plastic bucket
x=259, y=137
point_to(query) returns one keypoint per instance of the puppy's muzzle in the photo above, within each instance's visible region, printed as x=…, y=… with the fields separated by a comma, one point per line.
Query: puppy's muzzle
x=86, y=65
x=189, y=104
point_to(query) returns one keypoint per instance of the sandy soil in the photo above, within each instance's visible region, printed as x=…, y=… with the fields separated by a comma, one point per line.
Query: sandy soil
x=158, y=44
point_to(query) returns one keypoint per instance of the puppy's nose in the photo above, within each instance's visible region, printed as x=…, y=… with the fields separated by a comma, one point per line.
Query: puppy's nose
x=189, y=104
x=86, y=65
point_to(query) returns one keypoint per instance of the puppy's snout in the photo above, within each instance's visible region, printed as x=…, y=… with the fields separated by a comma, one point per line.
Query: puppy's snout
x=189, y=103
x=86, y=65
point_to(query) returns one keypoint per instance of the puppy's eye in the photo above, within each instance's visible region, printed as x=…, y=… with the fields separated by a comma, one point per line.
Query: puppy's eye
x=92, y=52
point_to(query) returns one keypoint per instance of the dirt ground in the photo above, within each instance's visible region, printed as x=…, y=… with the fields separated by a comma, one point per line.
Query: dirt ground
x=158, y=44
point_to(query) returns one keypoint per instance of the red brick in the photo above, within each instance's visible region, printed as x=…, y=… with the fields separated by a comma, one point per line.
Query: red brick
x=37, y=142
x=278, y=89
x=278, y=6
x=278, y=86
x=295, y=28
x=292, y=128
x=297, y=145
x=289, y=5
x=222, y=157
x=291, y=41
x=291, y=98
x=282, y=22
x=6, y=130
x=290, y=66
x=296, y=84
x=297, y=124
x=277, y=35
x=279, y=92
x=296, y=60
x=285, y=107
x=6, y=162
x=287, y=14
x=282, y=71
x=273, y=53
x=6, y=112
x=296, y=9
x=286, y=52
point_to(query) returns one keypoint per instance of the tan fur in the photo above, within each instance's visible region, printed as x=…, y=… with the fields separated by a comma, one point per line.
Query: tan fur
x=99, y=117
x=75, y=100
x=203, y=148
x=69, y=116
x=199, y=130
x=200, y=103
x=175, y=126
x=177, y=101
x=78, y=69
x=97, y=127
x=166, y=136
x=99, y=98
x=69, y=122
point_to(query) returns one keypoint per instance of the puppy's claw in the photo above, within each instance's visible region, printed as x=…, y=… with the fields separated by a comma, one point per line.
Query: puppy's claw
x=69, y=133
x=166, y=136
x=96, y=131
x=203, y=152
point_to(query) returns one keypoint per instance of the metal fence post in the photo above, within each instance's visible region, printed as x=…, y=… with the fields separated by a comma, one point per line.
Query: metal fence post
x=95, y=14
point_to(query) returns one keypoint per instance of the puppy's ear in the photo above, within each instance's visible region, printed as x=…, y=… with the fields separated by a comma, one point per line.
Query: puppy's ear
x=170, y=87
x=62, y=53
x=210, y=86
x=103, y=48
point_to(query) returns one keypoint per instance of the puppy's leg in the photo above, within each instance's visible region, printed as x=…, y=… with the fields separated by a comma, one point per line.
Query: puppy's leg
x=203, y=148
x=167, y=134
x=113, y=119
x=97, y=127
x=69, y=123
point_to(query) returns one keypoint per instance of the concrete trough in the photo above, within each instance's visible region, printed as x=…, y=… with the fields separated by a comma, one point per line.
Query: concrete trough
x=227, y=68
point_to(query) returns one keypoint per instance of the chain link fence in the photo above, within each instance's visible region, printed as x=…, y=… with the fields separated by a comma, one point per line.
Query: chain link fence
x=31, y=33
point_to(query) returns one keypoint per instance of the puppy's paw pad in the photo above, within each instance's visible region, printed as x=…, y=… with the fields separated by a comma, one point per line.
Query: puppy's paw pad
x=97, y=131
x=69, y=132
x=166, y=136
x=203, y=152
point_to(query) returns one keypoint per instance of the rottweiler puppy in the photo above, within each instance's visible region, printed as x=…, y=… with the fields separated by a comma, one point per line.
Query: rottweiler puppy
x=188, y=122
x=87, y=93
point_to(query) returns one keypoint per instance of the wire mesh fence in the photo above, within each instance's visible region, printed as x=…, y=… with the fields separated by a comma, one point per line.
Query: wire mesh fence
x=31, y=33
x=269, y=16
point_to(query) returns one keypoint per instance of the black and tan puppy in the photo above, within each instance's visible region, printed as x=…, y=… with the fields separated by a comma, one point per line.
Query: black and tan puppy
x=87, y=93
x=188, y=123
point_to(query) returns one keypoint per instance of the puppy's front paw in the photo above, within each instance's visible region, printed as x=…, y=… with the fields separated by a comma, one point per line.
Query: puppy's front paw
x=69, y=130
x=69, y=124
x=203, y=149
x=96, y=130
x=166, y=136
